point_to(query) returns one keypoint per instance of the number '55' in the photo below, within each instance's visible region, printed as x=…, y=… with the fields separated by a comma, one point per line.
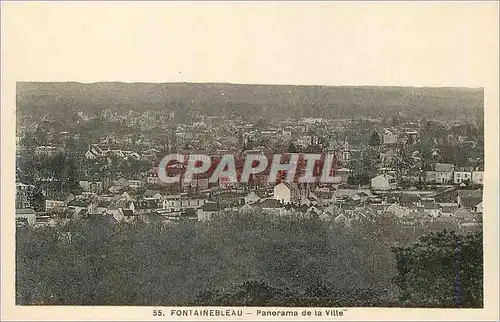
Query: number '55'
x=157, y=313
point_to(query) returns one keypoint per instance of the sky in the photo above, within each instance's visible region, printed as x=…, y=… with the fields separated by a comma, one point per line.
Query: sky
x=334, y=43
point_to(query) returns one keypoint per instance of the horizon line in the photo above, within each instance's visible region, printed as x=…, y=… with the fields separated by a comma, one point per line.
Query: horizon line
x=248, y=84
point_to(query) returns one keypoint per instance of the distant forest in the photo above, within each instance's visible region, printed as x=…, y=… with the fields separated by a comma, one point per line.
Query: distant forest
x=270, y=101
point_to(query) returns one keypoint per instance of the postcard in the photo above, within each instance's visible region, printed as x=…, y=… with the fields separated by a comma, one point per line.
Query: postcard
x=259, y=161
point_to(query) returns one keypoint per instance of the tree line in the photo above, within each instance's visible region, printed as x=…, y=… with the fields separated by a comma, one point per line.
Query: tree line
x=250, y=259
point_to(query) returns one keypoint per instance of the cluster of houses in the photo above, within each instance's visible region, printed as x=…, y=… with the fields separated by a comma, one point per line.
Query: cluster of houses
x=443, y=174
x=140, y=196
x=450, y=205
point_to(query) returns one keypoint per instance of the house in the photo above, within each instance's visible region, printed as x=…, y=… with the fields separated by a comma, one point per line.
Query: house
x=361, y=196
x=144, y=206
x=465, y=215
x=479, y=208
x=430, y=177
x=389, y=137
x=449, y=210
x=477, y=177
x=431, y=208
x=397, y=210
x=409, y=200
x=24, y=194
x=444, y=173
x=93, y=152
x=341, y=220
x=45, y=151
x=98, y=207
x=324, y=197
x=78, y=204
x=89, y=186
x=252, y=197
x=329, y=213
x=195, y=184
x=180, y=202
x=128, y=215
x=462, y=175
x=246, y=209
x=470, y=199
x=192, y=201
x=122, y=182
x=272, y=206
x=446, y=197
x=343, y=174
x=134, y=184
x=309, y=201
x=54, y=204
x=172, y=203
x=206, y=211
x=152, y=195
x=383, y=182
x=134, y=155
x=152, y=177
x=286, y=192
x=26, y=215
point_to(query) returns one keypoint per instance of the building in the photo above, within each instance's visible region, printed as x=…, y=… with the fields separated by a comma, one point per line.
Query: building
x=54, y=204
x=430, y=176
x=470, y=199
x=45, y=151
x=25, y=215
x=134, y=184
x=444, y=173
x=390, y=137
x=24, y=194
x=383, y=182
x=462, y=175
x=286, y=192
x=206, y=211
x=93, y=152
x=477, y=177
x=343, y=174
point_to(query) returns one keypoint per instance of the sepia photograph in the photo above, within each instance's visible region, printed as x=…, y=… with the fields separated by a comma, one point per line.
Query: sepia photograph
x=234, y=160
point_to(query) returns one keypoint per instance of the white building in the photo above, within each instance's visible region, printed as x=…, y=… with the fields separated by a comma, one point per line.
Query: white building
x=54, y=204
x=286, y=192
x=444, y=172
x=461, y=175
x=383, y=182
x=389, y=137
x=477, y=177
x=45, y=150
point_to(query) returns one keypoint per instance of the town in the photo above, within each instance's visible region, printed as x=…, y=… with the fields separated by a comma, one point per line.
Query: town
x=105, y=166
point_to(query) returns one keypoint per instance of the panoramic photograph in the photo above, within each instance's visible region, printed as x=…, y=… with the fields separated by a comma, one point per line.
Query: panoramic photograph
x=227, y=194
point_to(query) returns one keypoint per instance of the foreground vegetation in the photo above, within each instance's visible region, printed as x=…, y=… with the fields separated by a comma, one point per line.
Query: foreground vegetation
x=248, y=260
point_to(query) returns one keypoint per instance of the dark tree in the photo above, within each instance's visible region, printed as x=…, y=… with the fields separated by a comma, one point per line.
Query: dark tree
x=374, y=139
x=443, y=269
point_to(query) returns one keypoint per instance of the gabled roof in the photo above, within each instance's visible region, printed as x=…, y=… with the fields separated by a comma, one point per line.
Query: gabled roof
x=270, y=203
x=430, y=205
x=210, y=206
x=289, y=185
x=103, y=203
x=409, y=197
x=470, y=198
x=463, y=213
x=444, y=167
x=25, y=211
x=151, y=193
x=324, y=194
x=146, y=204
x=78, y=202
x=128, y=212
